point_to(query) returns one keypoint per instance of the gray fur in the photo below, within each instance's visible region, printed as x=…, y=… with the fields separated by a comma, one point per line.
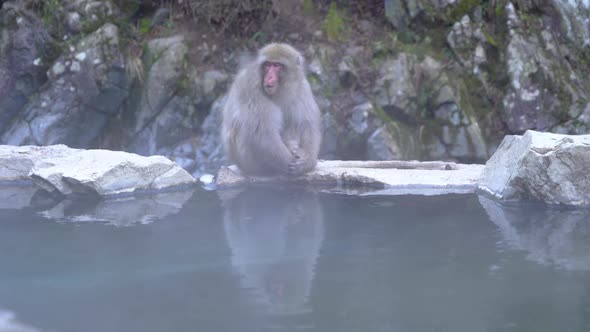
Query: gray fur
x=278, y=134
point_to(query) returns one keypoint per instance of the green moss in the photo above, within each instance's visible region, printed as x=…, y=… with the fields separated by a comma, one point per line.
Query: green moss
x=183, y=85
x=49, y=13
x=404, y=135
x=425, y=99
x=144, y=25
x=383, y=49
x=308, y=8
x=407, y=36
x=381, y=113
x=430, y=9
x=313, y=79
x=128, y=6
x=329, y=91
x=464, y=7
x=490, y=39
x=431, y=42
x=260, y=37
x=334, y=23
x=422, y=49
x=500, y=8
x=471, y=94
x=52, y=50
x=89, y=27
x=561, y=92
x=584, y=56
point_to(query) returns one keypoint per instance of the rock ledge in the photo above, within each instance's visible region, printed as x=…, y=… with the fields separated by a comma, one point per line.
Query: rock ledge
x=374, y=177
x=60, y=169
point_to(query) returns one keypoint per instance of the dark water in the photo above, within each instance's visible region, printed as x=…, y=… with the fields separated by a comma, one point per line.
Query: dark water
x=278, y=260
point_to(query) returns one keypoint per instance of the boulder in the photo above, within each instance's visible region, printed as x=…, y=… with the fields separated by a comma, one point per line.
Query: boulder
x=360, y=133
x=402, y=12
x=17, y=161
x=87, y=86
x=467, y=41
x=543, y=85
x=382, y=146
x=23, y=42
x=373, y=177
x=209, y=154
x=159, y=111
x=92, y=10
x=59, y=169
x=574, y=17
x=427, y=115
x=544, y=167
x=331, y=133
x=171, y=103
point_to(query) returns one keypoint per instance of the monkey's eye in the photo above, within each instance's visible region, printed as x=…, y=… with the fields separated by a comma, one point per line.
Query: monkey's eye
x=278, y=65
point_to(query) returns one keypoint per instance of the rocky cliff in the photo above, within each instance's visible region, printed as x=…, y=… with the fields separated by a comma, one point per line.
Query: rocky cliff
x=395, y=79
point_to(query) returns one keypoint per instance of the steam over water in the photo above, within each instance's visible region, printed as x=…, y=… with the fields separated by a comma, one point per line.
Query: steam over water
x=293, y=260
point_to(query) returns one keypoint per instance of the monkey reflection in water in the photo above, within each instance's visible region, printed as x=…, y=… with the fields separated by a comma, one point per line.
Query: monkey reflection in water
x=275, y=236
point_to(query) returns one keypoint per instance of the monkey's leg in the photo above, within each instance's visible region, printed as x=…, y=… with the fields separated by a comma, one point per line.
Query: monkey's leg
x=269, y=153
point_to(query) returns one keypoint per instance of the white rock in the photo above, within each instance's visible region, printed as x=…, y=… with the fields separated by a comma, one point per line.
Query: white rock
x=75, y=66
x=58, y=69
x=60, y=169
x=375, y=177
x=81, y=56
x=545, y=167
x=17, y=161
x=206, y=179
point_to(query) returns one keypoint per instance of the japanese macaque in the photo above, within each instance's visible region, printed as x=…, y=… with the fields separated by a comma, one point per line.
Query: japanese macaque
x=271, y=122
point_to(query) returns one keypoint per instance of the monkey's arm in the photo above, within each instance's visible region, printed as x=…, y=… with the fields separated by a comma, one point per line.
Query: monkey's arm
x=268, y=149
x=310, y=146
x=256, y=141
x=303, y=135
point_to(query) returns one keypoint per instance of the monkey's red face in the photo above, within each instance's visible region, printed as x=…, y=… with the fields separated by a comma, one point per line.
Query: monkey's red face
x=272, y=74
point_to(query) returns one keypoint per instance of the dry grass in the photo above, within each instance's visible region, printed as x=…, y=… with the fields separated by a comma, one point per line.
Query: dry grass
x=229, y=14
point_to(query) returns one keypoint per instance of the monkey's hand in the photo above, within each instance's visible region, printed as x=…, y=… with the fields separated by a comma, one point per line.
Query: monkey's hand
x=293, y=147
x=297, y=165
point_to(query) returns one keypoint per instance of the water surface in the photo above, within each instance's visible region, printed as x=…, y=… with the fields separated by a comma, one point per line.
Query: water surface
x=293, y=260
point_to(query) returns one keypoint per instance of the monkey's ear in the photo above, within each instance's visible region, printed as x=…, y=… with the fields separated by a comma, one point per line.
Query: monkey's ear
x=300, y=61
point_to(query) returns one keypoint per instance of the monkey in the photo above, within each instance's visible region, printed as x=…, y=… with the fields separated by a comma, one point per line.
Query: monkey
x=271, y=121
